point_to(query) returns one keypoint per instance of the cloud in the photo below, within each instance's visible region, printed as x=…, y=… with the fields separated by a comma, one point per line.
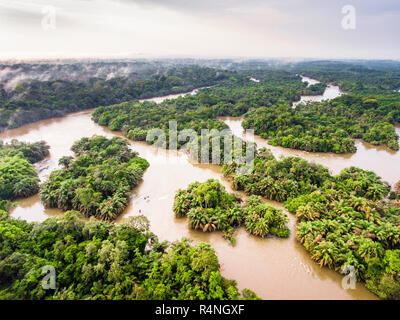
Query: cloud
x=258, y=28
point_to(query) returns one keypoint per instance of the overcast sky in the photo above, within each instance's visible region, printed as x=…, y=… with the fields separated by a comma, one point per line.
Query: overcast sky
x=198, y=28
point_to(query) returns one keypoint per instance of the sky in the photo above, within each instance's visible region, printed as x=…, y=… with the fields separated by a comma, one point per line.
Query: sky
x=200, y=28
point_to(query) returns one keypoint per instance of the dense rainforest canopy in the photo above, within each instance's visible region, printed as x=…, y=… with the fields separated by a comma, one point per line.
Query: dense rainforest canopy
x=348, y=223
x=101, y=261
x=360, y=77
x=368, y=111
x=33, y=152
x=232, y=97
x=343, y=220
x=277, y=179
x=98, y=182
x=35, y=100
x=329, y=126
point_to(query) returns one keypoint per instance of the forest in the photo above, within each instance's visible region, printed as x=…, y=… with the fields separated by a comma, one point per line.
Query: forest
x=360, y=77
x=18, y=177
x=209, y=207
x=98, y=182
x=97, y=260
x=351, y=219
x=233, y=97
x=348, y=223
x=277, y=179
x=329, y=126
x=36, y=100
x=342, y=220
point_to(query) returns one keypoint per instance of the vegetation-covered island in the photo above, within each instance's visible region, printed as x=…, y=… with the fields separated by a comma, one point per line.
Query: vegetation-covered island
x=102, y=261
x=329, y=126
x=209, y=208
x=98, y=182
x=35, y=100
x=18, y=177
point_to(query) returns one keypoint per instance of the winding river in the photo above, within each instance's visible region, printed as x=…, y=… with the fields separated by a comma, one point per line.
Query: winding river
x=273, y=268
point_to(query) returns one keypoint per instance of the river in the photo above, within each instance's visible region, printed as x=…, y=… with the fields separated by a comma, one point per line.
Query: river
x=274, y=268
x=330, y=92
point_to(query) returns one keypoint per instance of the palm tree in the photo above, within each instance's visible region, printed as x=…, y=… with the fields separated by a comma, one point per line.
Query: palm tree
x=307, y=212
x=235, y=216
x=325, y=253
x=376, y=192
x=26, y=187
x=359, y=204
x=369, y=249
x=303, y=229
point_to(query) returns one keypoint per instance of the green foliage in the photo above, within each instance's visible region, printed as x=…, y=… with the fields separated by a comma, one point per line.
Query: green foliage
x=366, y=77
x=5, y=205
x=18, y=178
x=98, y=182
x=97, y=260
x=343, y=220
x=348, y=223
x=209, y=207
x=327, y=126
x=360, y=183
x=247, y=294
x=315, y=89
x=262, y=219
x=316, y=127
x=33, y=152
x=37, y=100
x=199, y=112
x=277, y=179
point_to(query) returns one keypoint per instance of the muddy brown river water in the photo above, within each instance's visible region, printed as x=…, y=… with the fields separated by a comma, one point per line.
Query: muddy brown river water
x=273, y=268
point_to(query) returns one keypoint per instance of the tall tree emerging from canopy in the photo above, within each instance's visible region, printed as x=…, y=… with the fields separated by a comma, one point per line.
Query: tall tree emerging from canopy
x=209, y=208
